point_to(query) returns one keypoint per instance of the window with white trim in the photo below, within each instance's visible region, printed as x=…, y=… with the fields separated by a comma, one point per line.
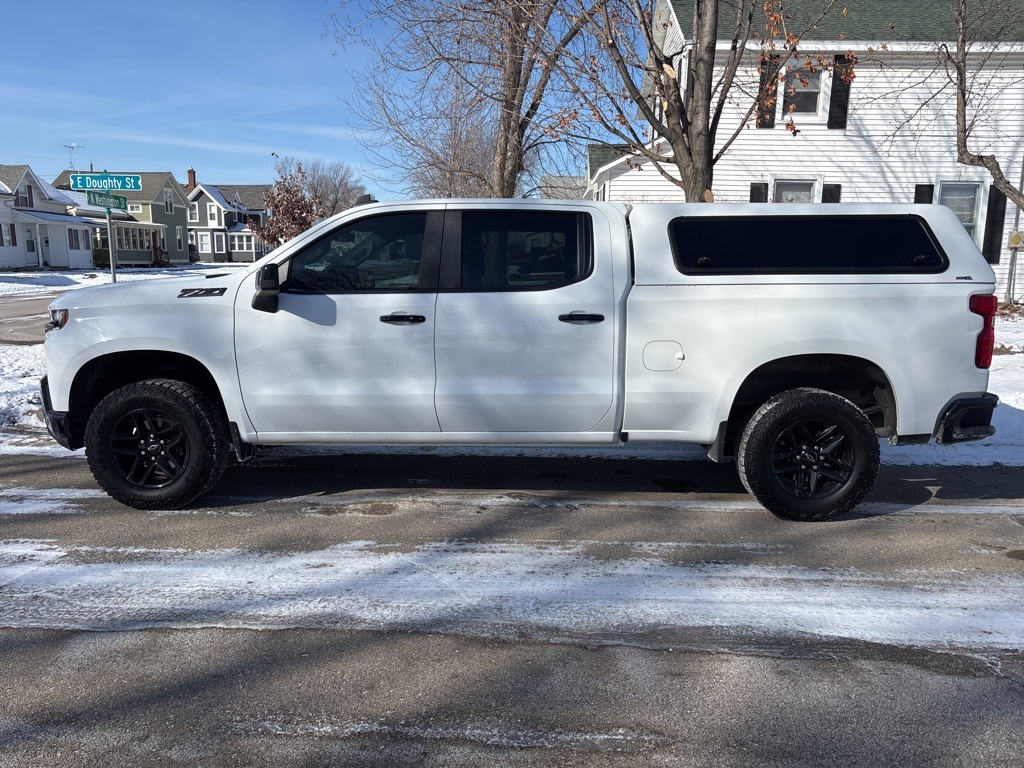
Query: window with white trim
x=962, y=198
x=211, y=213
x=801, y=92
x=23, y=196
x=177, y=237
x=168, y=201
x=193, y=211
x=794, y=191
x=74, y=240
x=241, y=242
x=134, y=208
x=218, y=242
x=204, y=242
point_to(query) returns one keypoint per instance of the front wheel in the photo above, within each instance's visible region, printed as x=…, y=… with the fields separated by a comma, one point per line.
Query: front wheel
x=157, y=444
x=808, y=454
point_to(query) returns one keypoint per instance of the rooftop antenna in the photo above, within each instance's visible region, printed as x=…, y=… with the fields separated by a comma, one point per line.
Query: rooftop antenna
x=72, y=148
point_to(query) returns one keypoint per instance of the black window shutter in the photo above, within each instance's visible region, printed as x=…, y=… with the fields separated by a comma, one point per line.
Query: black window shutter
x=995, y=221
x=924, y=193
x=839, y=102
x=766, y=99
x=759, y=192
x=831, y=193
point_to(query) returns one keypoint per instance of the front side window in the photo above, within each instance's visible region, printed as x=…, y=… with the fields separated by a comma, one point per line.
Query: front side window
x=211, y=213
x=382, y=253
x=134, y=208
x=218, y=242
x=204, y=242
x=962, y=198
x=800, y=97
x=168, y=201
x=193, y=212
x=523, y=250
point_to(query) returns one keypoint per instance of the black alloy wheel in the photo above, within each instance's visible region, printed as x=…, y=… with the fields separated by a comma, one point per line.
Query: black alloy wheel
x=808, y=454
x=148, y=448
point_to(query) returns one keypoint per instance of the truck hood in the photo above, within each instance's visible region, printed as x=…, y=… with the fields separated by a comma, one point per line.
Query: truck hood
x=213, y=288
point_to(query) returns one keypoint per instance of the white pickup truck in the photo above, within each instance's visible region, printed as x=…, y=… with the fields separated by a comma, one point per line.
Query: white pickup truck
x=791, y=337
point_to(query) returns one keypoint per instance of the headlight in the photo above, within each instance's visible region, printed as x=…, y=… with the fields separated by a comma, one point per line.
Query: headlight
x=58, y=319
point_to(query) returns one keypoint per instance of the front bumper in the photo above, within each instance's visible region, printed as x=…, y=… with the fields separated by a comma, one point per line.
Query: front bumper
x=56, y=421
x=966, y=419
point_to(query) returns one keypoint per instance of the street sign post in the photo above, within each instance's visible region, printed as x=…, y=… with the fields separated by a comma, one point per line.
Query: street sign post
x=106, y=182
x=104, y=200
x=98, y=187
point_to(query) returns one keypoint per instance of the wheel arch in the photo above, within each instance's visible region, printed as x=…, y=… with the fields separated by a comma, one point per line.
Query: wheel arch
x=859, y=380
x=102, y=375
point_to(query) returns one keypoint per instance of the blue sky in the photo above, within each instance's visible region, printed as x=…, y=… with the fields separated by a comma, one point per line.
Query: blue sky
x=162, y=86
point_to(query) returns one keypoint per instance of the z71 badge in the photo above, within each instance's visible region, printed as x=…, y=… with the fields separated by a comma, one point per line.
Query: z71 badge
x=198, y=293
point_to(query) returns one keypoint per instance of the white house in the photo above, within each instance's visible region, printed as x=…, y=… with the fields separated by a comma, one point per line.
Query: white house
x=35, y=228
x=889, y=136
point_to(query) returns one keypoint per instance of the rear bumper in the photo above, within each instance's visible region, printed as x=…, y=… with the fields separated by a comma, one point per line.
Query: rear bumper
x=56, y=421
x=966, y=419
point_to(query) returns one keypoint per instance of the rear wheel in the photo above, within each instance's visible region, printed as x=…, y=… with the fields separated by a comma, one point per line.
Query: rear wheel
x=157, y=444
x=808, y=454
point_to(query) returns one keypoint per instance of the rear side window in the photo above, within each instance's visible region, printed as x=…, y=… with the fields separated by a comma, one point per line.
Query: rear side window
x=781, y=244
x=524, y=250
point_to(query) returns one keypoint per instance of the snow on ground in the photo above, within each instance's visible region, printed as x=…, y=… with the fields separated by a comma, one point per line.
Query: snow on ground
x=21, y=367
x=496, y=589
x=32, y=283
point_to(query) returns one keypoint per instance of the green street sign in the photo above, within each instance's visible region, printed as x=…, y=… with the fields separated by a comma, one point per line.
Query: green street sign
x=106, y=182
x=103, y=200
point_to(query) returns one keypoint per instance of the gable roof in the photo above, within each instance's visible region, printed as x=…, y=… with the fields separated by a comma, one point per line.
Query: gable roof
x=11, y=176
x=870, y=20
x=153, y=183
x=251, y=196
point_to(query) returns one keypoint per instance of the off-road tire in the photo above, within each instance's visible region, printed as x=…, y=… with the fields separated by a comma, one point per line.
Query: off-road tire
x=808, y=454
x=129, y=461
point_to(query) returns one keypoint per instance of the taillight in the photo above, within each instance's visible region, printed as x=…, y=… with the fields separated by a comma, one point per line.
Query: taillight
x=985, y=306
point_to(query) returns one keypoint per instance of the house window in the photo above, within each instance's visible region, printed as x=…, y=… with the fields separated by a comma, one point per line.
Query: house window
x=168, y=201
x=218, y=242
x=962, y=198
x=120, y=239
x=211, y=213
x=177, y=237
x=73, y=240
x=241, y=243
x=193, y=212
x=23, y=196
x=803, y=87
x=794, y=192
x=134, y=208
x=204, y=242
x=148, y=236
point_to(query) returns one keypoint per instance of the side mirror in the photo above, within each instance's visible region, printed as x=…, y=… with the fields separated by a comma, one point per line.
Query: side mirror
x=268, y=284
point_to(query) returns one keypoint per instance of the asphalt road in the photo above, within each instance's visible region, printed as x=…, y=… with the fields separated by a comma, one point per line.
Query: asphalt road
x=183, y=692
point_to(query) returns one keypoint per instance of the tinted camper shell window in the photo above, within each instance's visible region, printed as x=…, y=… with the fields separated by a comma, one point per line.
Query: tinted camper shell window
x=805, y=245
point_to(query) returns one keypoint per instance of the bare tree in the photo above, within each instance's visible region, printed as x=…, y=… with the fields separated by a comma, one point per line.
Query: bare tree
x=451, y=67
x=667, y=97
x=999, y=22
x=334, y=186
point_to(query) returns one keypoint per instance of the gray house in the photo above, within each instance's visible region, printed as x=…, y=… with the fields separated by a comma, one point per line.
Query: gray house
x=219, y=216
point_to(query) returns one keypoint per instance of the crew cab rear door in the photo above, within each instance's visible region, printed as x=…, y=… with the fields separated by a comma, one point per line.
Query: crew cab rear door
x=351, y=347
x=526, y=321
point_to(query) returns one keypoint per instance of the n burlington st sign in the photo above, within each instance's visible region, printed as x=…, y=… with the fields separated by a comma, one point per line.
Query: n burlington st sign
x=107, y=182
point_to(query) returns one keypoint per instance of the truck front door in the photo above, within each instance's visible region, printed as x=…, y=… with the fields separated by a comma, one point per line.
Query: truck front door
x=350, y=349
x=526, y=320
